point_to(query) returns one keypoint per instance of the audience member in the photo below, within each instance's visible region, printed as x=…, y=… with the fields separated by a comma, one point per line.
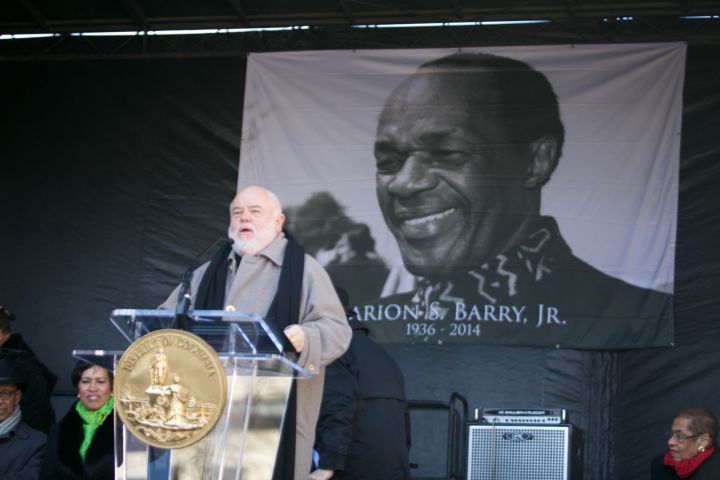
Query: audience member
x=691, y=452
x=363, y=430
x=81, y=445
x=22, y=448
x=37, y=410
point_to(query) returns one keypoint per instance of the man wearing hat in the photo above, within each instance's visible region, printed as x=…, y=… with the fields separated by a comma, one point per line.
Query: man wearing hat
x=36, y=406
x=363, y=431
x=22, y=448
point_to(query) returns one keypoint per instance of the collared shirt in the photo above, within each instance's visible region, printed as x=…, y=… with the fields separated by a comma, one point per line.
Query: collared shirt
x=250, y=281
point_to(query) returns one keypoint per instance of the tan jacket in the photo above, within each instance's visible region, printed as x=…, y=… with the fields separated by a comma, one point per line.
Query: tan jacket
x=252, y=287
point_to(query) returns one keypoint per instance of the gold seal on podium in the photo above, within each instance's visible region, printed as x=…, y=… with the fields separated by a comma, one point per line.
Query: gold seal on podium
x=170, y=388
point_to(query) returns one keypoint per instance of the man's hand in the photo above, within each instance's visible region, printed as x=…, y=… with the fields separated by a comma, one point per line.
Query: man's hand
x=295, y=334
x=321, y=474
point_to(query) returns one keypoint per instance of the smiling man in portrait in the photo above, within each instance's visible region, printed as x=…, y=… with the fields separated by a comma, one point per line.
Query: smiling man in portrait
x=463, y=148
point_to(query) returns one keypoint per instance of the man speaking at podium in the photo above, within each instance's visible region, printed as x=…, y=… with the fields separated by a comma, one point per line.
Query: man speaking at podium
x=265, y=271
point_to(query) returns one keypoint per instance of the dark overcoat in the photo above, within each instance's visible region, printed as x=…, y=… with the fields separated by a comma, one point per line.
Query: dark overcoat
x=63, y=459
x=363, y=430
x=21, y=453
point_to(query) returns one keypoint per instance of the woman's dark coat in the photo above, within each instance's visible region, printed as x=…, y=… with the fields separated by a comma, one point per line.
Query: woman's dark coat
x=709, y=470
x=63, y=459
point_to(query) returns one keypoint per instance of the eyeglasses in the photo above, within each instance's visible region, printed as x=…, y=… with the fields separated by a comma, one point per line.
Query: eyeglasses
x=5, y=394
x=679, y=436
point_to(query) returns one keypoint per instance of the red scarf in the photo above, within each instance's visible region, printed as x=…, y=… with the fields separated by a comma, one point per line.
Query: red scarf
x=685, y=468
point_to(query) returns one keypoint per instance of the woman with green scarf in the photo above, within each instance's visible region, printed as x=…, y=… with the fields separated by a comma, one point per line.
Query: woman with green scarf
x=81, y=445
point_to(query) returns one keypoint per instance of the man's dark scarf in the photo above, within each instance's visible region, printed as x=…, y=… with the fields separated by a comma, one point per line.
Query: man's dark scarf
x=284, y=310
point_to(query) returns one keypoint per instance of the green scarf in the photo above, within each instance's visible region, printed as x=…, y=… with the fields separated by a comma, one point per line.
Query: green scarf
x=91, y=421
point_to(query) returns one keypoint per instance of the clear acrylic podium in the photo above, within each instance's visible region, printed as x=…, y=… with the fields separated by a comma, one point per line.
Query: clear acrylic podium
x=243, y=444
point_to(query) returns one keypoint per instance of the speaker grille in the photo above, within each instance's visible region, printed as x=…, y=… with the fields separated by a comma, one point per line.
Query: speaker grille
x=518, y=452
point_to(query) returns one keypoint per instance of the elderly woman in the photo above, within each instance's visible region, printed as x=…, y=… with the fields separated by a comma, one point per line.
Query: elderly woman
x=81, y=445
x=691, y=450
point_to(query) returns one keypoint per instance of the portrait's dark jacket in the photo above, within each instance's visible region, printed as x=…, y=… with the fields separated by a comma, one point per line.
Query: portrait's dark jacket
x=63, y=460
x=708, y=470
x=593, y=309
x=37, y=410
x=371, y=270
x=21, y=453
x=363, y=429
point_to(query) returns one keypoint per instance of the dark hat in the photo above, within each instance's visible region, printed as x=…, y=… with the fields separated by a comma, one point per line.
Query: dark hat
x=4, y=312
x=11, y=373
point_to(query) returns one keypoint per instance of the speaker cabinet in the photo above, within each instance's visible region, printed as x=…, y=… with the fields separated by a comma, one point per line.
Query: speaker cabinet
x=521, y=452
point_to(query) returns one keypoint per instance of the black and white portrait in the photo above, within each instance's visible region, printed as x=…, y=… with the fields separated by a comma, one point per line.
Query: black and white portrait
x=517, y=196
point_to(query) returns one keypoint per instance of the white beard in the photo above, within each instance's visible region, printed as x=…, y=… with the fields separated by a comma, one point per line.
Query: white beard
x=242, y=247
x=259, y=241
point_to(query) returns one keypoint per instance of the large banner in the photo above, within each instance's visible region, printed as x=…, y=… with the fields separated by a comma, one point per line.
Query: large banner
x=511, y=195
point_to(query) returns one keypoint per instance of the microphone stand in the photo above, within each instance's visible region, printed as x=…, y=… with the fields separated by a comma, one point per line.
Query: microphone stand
x=182, y=319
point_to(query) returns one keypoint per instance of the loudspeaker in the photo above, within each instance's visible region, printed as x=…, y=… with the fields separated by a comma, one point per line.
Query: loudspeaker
x=521, y=452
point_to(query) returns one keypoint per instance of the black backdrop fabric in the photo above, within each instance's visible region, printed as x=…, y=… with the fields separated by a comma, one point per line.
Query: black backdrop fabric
x=116, y=176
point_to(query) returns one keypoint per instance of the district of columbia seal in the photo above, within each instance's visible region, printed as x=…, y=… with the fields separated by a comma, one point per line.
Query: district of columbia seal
x=170, y=388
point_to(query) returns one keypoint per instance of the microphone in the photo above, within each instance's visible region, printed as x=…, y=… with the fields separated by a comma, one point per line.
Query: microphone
x=184, y=301
x=182, y=319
